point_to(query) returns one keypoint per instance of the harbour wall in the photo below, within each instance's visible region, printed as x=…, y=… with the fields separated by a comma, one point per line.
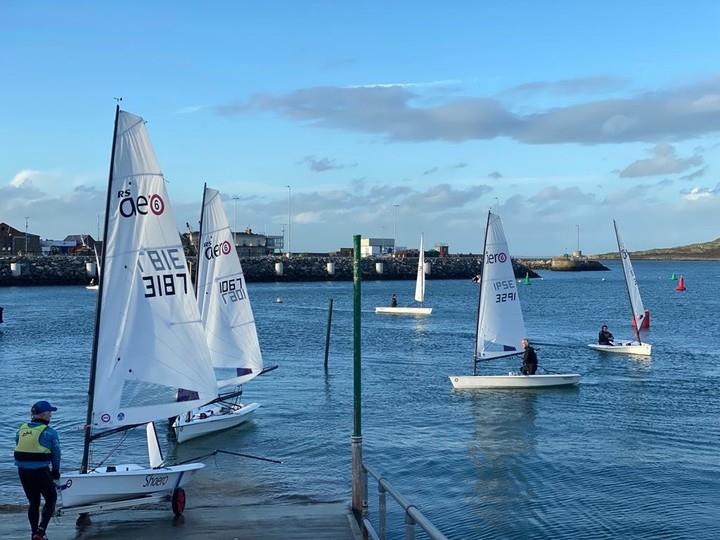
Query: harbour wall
x=71, y=270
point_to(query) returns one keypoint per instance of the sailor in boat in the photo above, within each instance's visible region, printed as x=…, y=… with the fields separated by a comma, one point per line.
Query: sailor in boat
x=393, y=300
x=92, y=282
x=530, y=361
x=37, y=446
x=605, y=337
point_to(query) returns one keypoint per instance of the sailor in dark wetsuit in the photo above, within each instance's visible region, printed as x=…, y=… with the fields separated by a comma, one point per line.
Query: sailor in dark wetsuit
x=605, y=337
x=393, y=300
x=530, y=361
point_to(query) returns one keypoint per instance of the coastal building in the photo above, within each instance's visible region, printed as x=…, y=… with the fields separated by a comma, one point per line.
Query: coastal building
x=376, y=247
x=442, y=249
x=57, y=247
x=16, y=242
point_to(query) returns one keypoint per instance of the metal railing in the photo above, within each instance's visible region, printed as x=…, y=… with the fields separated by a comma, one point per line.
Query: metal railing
x=413, y=516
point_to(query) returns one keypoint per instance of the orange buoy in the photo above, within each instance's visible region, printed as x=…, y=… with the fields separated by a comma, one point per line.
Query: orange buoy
x=681, y=284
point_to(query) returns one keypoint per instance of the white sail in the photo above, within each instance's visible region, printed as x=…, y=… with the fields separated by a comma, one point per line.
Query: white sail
x=151, y=341
x=420, y=281
x=636, y=304
x=223, y=299
x=500, y=320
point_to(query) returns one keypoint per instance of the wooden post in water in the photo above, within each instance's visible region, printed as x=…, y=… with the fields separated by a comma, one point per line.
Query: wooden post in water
x=327, y=334
x=358, y=487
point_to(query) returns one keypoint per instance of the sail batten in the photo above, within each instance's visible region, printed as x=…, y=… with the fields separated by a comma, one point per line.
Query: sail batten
x=149, y=331
x=223, y=297
x=500, y=320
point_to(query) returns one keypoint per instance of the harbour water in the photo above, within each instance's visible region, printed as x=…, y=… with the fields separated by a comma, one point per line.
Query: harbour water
x=630, y=453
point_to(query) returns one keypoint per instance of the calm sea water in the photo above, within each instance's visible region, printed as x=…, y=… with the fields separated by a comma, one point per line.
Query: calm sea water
x=632, y=452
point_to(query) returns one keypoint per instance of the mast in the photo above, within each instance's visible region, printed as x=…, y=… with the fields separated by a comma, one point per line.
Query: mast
x=627, y=285
x=482, y=276
x=199, y=246
x=98, y=309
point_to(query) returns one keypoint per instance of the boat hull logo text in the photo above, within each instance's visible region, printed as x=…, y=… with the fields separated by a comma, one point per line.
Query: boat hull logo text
x=141, y=205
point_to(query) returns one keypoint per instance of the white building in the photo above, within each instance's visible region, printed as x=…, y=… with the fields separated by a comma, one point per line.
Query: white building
x=376, y=247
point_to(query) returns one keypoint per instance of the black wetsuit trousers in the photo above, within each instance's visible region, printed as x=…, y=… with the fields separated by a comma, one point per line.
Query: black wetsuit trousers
x=37, y=482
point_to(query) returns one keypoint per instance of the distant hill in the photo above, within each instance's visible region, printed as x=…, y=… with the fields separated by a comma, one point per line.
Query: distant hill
x=702, y=251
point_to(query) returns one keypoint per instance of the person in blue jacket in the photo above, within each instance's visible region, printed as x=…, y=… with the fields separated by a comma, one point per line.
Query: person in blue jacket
x=37, y=448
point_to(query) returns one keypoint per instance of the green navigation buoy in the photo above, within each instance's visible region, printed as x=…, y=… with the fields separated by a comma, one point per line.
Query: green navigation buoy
x=674, y=277
x=526, y=281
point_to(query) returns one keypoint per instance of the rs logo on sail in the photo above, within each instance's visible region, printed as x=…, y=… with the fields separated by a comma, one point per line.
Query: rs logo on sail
x=131, y=206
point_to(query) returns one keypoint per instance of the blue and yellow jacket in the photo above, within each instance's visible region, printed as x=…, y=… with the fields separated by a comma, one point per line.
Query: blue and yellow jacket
x=40, y=446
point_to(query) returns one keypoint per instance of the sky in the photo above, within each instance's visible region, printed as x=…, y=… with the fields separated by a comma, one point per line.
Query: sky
x=384, y=118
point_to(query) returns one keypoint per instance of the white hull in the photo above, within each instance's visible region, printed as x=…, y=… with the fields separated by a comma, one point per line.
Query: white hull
x=624, y=347
x=404, y=310
x=125, y=483
x=217, y=418
x=514, y=381
x=92, y=287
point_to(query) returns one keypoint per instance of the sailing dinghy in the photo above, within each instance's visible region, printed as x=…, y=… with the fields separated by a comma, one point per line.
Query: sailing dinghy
x=229, y=325
x=96, y=286
x=419, y=291
x=636, y=306
x=149, y=340
x=500, y=324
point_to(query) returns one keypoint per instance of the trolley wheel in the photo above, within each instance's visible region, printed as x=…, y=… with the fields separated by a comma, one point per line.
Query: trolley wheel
x=178, y=501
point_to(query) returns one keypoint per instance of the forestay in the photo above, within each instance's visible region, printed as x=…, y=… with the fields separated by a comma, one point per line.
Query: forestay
x=151, y=342
x=420, y=281
x=223, y=299
x=632, y=285
x=500, y=321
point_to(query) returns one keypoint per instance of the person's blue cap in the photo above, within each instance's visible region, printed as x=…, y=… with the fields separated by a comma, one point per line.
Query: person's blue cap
x=42, y=407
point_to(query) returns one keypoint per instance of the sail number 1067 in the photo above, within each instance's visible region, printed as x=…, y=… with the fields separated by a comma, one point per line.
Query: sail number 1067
x=232, y=290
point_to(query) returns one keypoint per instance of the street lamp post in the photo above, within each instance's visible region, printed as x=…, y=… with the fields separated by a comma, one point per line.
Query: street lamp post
x=27, y=218
x=578, y=238
x=236, y=199
x=395, y=213
x=289, y=228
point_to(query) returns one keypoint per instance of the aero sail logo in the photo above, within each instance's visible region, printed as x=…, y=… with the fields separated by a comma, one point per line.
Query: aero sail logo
x=492, y=258
x=214, y=251
x=141, y=205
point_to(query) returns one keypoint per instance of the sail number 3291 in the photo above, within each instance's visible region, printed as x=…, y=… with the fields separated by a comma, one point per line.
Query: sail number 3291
x=504, y=285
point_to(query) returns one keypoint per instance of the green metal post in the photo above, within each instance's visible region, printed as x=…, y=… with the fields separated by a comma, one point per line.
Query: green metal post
x=359, y=504
x=357, y=357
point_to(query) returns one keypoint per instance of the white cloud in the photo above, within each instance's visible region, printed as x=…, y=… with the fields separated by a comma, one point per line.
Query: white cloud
x=663, y=161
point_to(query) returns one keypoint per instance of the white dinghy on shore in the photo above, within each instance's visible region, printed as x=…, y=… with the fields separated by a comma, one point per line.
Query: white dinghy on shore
x=500, y=324
x=636, y=347
x=148, y=341
x=419, y=292
x=229, y=323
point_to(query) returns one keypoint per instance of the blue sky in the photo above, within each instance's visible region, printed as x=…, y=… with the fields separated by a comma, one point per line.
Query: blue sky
x=554, y=113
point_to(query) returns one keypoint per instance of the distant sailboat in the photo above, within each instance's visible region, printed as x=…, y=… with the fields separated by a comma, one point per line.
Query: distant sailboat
x=419, y=291
x=229, y=325
x=636, y=307
x=148, y=341
x=94, y=286
x=500, y=325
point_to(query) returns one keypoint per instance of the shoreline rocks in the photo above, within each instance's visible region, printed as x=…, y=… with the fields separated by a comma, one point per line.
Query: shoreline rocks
x=71, y=270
